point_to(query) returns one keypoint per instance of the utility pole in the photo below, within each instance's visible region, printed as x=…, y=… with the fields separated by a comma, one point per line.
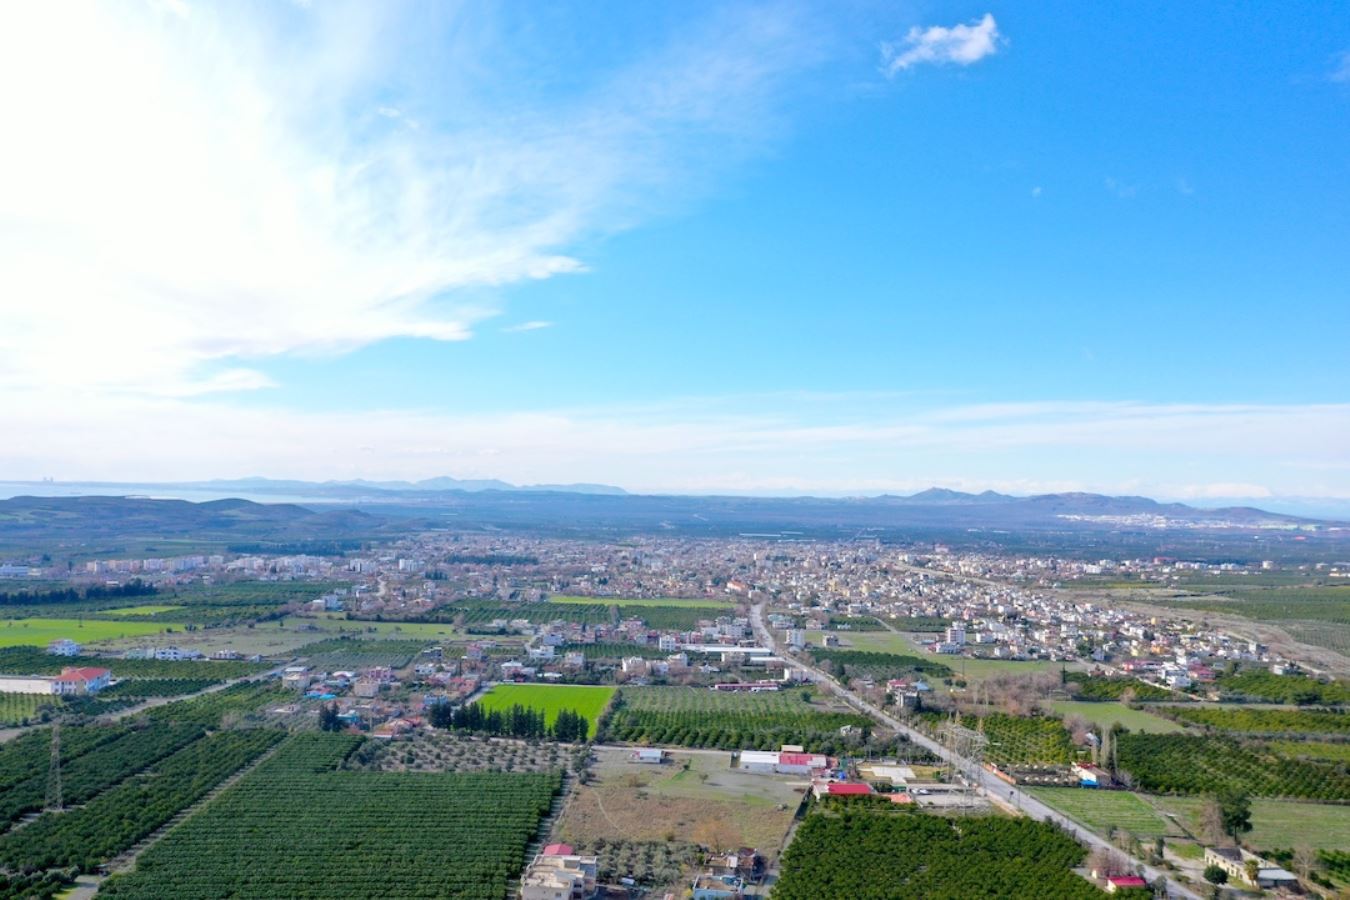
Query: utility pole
x=54, y=803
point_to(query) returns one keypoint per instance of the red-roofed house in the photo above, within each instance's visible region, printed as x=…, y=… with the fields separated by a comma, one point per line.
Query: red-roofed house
x=559, y=850
x=82, y=680
x=800, y=763
x=1124, y=883
x=840, y=789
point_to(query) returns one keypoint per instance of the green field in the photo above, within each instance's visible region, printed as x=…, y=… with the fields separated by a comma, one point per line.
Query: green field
x=40, y=632
x=1103, y=810
x=1106, y=714
x=648, y=601
x=963, y=667
x=1275, y=823
x=148, y=609
x=552, y=699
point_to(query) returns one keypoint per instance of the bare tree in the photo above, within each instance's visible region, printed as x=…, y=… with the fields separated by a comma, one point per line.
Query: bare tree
x=1211, y=822
x=1305, y=861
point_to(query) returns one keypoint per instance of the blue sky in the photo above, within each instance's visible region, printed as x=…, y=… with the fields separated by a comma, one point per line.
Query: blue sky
x=783, y=248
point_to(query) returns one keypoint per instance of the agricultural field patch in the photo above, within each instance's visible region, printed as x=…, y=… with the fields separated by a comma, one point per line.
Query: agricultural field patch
x=353, y=653
x=1106, y=714
x=448, y=751
x=156, y=687
x=1320, y=750
x=32, y=661
x=879, y=666
x=1264, y=721
x=333, y=833
x=1097, y=688
x=1259, y=684
x=1275, y=823
x=1210, y=764
x=19, y=709
x=1103, y=810
x=228, y=705
x=854, y=854
x=722, y=606
x=116, y=818
x=1022, y=740
x=147, y=609
x=588, y=700
x=40, y=632
x=696, y=717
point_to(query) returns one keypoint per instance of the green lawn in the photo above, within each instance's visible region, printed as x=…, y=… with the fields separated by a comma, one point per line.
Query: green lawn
x=1105, y=714
x=588, y=700
x=648, y=601
x=1101, y=810
x=148, y=609
x=40, y=632
x=1276, y=823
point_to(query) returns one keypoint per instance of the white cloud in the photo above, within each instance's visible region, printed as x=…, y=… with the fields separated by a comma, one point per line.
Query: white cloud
x=181, y=194
x=960, y=44
x=1122, y=190
x=774, y=443
x=1341, y=72
x=534, y=325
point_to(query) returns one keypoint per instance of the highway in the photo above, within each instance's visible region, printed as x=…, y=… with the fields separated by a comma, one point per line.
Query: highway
x=990, y=784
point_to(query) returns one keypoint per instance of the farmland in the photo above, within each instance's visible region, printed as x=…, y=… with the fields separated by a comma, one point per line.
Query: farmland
x=31, y=661
x=966, y=668
x=879, y=666
x=111, y=758
x=148, y=609
x=332, y=833
x=1106, y=714
x=1103, y=810
x=1097, y=688
x=552, y=699
x=15, y=709
x=353, y=653
x=1265, y=721
x=693, y=717
x=721, y=607
x=40, y=632
x=854, y=854
x=1018, y=741
x=156, y=687
x=115, y=819
x=1275, y=823
x=1262, y=685
x=1207, y=764
x=235, y=701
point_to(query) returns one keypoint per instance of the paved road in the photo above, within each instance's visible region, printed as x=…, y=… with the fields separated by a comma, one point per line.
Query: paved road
x=991, y=785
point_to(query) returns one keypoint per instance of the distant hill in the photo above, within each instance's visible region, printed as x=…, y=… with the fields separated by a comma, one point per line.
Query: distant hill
x=87, y=518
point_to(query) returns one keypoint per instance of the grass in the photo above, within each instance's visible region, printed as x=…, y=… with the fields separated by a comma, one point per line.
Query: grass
x=588, y=700
x=40, y=632
x=1105, y=714
x=148, y=609
x=1276, y=823
x=1103, y=810
x=648, y=601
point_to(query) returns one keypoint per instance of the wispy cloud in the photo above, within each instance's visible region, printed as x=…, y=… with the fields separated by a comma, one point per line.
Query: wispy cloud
x=1120, y=189
x=198, y=192
x=829, y=444
x=959, y=44
x=534, y=325
x=1340, y=72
